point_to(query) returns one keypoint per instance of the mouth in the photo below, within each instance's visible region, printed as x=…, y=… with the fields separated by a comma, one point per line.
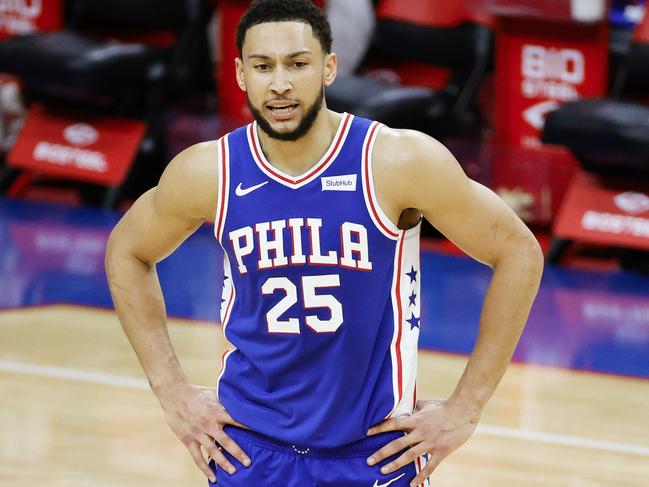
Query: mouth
x=281, y=111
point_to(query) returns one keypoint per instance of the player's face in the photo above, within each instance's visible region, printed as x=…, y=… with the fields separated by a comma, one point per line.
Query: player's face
x=284, y=71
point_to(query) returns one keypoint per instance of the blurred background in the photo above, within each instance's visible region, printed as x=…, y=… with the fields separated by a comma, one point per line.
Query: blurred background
x=546, y=102
x=543, y=101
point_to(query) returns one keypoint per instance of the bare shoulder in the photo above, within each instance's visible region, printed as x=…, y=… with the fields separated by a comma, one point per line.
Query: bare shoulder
x=408, y=163
x=402, y=143
x=413, y=170
x=188, y=186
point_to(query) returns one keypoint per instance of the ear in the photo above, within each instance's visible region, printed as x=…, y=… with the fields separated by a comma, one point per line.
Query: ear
x=238, y=65
x=330, y=68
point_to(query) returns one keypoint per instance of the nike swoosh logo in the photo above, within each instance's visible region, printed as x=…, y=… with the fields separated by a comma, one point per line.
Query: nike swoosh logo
x=239, y=191
x=376, y=482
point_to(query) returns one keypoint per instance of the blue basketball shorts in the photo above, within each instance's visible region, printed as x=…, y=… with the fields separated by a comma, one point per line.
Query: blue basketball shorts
x=277, y=464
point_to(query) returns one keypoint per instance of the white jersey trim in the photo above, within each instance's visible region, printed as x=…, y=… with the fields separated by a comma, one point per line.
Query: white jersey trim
x=227, y=301
x=223, y=188
x=320, y=167
x=224, y=362
x=396, y=329
x=229, y=292
x=403, y=348
x=380, y=219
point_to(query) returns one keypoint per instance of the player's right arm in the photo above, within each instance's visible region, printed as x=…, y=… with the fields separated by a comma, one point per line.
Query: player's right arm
x=157, y=223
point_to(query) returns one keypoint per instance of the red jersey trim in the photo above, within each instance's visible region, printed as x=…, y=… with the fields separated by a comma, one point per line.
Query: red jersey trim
x=223, y=188
x=379, y=218
x=400, y=321
x=298, y=181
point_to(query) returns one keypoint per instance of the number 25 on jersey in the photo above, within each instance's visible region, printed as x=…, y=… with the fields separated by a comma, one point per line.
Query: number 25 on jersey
x=310, y=284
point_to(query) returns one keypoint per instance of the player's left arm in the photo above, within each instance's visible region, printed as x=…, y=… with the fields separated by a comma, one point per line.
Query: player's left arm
x=412, y=170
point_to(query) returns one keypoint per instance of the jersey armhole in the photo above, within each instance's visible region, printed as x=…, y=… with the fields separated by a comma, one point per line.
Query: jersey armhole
x=223, y=188
x=380, y=219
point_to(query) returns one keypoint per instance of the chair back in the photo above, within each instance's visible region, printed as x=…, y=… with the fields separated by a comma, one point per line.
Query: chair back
x=632, y=79
x=436, y=32
x=126, y=15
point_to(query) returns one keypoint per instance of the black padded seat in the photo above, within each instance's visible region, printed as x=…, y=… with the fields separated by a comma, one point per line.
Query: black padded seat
x=79, y=62
x=130, y=15
x=119, y=58
x=459, y=48
x=396, y=106
x=637, y=75
x=406, y=107
x=464, y=49
x=608, y=136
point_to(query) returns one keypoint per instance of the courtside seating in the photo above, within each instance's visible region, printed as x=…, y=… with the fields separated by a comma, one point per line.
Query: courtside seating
x=610, y=136
x=120, y=57
x=438, y=33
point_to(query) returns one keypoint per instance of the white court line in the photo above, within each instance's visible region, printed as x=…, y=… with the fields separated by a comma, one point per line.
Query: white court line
x=73, y=374
x=519, y=434
x=563, y=440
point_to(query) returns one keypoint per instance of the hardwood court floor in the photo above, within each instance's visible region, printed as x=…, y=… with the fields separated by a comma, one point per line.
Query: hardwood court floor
x=75, y=411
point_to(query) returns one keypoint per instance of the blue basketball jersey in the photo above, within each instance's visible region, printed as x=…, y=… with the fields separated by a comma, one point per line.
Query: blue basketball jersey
x=320, y=296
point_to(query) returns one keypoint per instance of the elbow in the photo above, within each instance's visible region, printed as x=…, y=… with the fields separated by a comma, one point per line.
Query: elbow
x=109, y=258
x=531, y=255
x=537, y=256
x=523, y=254
x=115, y=253
x=120, y=257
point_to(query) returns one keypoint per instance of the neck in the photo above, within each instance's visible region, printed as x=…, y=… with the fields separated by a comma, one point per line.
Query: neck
x=296, y=157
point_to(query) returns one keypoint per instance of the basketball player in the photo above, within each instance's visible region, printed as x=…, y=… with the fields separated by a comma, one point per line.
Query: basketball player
x=318, y=214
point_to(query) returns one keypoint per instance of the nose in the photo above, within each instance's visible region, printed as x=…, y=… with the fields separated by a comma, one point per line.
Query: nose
x=281, y=82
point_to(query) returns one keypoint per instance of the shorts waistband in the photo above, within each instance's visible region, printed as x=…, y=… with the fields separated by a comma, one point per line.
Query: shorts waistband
x=362, y=447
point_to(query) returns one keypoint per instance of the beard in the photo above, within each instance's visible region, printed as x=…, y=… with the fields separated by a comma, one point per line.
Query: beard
x=303, y=127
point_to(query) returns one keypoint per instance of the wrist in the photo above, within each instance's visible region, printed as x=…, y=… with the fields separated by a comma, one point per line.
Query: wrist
x=466, y=405
x=166, y=375
x=169, y=387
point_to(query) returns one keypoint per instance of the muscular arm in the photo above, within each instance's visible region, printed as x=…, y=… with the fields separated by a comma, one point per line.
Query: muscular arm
x=416, y=171
x=412, y=170
x=158, y=222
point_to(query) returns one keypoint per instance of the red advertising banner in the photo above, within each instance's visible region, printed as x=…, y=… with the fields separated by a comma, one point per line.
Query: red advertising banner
x=540, y=64
x=232, y=101
x=25, y=16
x=610, y=213
x=531, y=181
x=92, y=149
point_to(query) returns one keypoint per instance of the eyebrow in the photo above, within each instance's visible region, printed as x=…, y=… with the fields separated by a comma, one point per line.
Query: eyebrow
x=292, y=55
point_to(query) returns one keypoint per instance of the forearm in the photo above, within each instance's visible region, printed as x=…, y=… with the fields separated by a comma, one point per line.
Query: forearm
x=507, y=304
x=140, y=306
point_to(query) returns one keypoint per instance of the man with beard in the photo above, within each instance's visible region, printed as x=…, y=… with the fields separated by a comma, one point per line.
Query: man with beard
x=318, y=214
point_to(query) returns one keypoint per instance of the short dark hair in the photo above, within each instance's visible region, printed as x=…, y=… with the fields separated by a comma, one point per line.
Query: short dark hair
x=262, y=11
